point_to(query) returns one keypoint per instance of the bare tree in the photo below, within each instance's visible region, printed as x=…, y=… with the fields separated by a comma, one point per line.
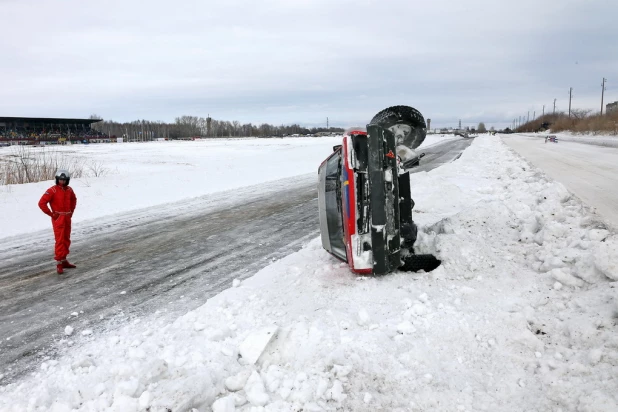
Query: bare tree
x=580, y=113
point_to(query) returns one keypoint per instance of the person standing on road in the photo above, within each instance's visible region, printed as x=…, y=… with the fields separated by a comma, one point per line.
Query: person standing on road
x=62, y=200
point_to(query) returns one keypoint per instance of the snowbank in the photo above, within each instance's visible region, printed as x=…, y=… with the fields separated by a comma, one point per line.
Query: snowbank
x=520, y=316
x=588, y=171
x=142, y=175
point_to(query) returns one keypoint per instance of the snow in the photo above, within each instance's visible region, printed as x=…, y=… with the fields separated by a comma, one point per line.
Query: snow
x=487, y=330
x=587, y=138
x=148, y=175
x=434, y=139
x=145, y=175
x=254, y=345
x=588, y=171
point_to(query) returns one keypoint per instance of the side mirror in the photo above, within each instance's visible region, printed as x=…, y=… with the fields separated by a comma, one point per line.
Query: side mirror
x=421, y=155
x=335, y=148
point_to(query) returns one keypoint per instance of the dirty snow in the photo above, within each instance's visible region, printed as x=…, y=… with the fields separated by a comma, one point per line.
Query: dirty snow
x=520, y=316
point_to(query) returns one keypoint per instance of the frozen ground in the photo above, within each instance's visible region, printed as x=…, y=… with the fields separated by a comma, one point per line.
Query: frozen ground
x=590, y=171
x=520, y=316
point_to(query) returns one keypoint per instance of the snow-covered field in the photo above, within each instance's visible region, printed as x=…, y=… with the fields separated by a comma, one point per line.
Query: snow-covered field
x=433, y=139
x=521, y=316
x=145, y=175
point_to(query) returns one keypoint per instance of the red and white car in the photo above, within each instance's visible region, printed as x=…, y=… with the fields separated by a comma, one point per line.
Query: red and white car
x=364, y=195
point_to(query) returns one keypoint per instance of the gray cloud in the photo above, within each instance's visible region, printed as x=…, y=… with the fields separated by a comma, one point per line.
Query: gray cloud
x=300, y=61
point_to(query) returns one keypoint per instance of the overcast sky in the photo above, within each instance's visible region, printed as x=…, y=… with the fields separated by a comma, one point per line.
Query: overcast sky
x=300, y=61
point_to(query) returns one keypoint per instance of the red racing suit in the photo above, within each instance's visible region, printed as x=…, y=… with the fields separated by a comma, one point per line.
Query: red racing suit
x=62, y=201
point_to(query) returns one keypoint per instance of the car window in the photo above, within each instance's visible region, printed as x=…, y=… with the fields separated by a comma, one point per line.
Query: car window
x=333, y=206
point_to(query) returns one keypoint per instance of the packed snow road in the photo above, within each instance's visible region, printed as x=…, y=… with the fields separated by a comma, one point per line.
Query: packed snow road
x=139, y=263
x=589, y=171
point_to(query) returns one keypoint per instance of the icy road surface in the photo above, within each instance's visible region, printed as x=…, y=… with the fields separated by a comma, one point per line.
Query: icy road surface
x=589, y=171
x=135, y=264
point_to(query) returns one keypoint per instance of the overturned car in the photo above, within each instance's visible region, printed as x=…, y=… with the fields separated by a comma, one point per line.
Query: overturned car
x=364, y=197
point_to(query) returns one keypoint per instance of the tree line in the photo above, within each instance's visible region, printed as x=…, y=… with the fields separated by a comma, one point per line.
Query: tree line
x=193, y=126
x=578, y=121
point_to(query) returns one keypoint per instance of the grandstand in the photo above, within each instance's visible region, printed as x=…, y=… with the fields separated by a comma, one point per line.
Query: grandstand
x=41, y=130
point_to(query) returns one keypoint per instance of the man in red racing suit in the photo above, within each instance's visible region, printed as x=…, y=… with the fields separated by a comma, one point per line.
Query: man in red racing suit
x=62, y=200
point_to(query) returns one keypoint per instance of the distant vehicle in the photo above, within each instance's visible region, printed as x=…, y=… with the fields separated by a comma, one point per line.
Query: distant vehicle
x=364, y=199
x=551, y=138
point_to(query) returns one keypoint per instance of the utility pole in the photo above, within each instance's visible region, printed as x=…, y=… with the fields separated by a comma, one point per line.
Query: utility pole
x=543, y=110
x=459, y=124
x=570, y=97
x=327, y=123
x=554, y=106
x=602, y=93
x=534, y=116
x=527, y=121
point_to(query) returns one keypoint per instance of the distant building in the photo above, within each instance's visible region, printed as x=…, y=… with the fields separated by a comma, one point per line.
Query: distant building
x=611, y=107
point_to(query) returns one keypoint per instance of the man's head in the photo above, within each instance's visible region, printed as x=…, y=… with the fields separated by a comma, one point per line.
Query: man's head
x=63, y=177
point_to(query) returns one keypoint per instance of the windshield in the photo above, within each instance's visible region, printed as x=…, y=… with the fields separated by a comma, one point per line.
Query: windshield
x=330, y=206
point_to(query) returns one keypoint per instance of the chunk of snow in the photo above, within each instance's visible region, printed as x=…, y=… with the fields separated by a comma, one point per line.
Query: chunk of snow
x=225, y=404
x=238, y=381
x=252, y=347
x=363, y=317
x=144, y=400
x=68, y=331
x=255, y=390
x=336, y=392
x=566, y=278
x=406, y=327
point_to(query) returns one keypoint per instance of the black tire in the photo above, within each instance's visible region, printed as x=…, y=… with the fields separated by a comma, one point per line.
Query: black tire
x=395, y=116
x=414, y=263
